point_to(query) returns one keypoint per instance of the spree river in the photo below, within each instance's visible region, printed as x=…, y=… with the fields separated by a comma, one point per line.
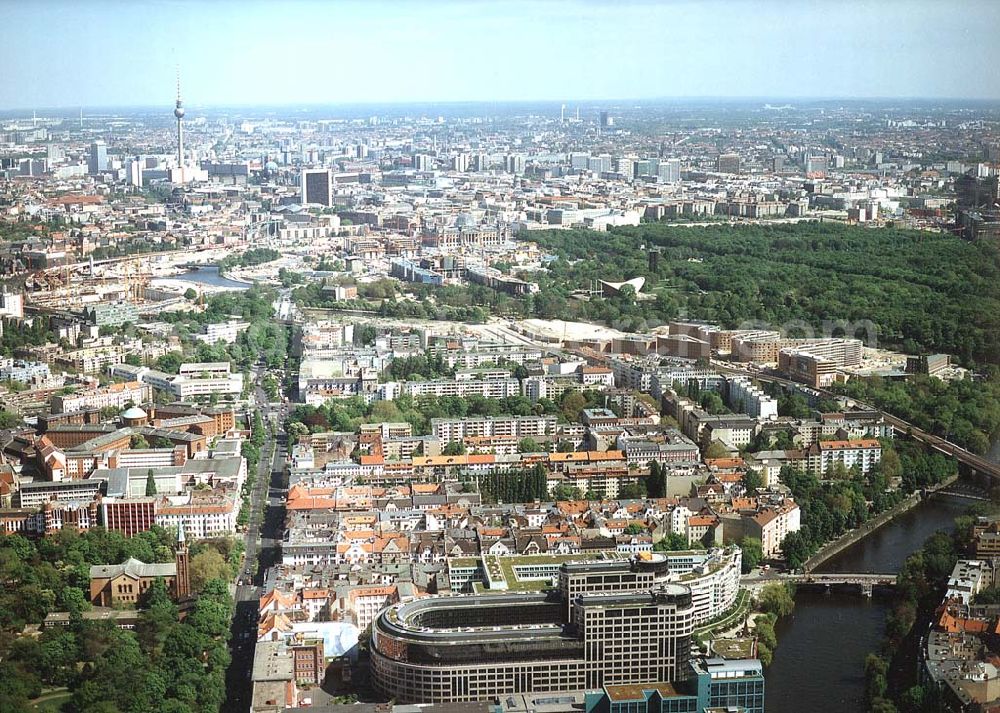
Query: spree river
x=209, y=275
x=818, y=665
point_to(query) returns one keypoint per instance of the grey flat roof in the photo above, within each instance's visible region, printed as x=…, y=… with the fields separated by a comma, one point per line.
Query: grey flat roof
x=82, y=428
x=641, y=597
x=741, y=666
x=401, y=624
x=272, y=662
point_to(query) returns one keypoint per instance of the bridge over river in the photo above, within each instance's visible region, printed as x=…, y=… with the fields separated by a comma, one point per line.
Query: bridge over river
x=866, y=581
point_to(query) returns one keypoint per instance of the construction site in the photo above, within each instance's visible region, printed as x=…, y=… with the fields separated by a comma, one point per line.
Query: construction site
x=68, y=289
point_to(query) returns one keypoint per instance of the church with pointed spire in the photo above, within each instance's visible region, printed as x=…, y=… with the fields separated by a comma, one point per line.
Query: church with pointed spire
x=125, y=584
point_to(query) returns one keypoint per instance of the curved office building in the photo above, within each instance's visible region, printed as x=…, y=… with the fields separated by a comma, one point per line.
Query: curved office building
x=475, y=647
x=712, y=575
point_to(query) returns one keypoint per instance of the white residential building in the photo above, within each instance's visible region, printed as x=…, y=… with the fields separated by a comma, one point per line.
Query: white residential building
x=488, y=388
x=111, y=396
x=863, y=453
x=194, y=379
x=455, y=429
x=200, y=519
x=770, y=525
x=224, y=332
x=746, y=398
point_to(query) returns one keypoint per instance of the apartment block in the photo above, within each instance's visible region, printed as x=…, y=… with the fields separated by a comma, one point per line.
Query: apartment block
x=112, y=396
x=455, y=429
x=863, y=453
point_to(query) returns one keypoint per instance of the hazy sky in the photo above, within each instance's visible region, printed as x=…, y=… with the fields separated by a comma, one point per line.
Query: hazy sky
x=68, y=53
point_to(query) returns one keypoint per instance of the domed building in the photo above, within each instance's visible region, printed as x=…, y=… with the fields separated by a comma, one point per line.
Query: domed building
x=134, y=416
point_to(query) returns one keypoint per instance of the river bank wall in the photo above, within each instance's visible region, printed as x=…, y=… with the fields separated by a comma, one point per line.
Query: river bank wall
x=848, y=539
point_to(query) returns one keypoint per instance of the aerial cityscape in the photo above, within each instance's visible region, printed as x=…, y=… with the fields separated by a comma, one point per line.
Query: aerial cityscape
x=508, y=357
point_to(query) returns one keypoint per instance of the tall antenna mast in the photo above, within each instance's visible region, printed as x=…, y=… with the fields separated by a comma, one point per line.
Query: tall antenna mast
x=179, y=113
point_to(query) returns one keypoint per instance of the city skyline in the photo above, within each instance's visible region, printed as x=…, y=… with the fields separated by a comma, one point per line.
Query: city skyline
x=253, y=53
x=586, y=356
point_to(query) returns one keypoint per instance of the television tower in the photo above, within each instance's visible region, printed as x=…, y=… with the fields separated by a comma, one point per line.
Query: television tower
x=179, y=113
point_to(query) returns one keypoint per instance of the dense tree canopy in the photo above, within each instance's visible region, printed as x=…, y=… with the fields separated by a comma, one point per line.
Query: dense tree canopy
x=915, y=287
x=811, y=278
x=473, y=303
x=348, y=414
x=753, y=553
x=673, y=542
x=965, y=412
x=163, y=666
x=15, y=336
x=264, y=339
x=776, y=598
x=253, y=256
x=417, y=368
x=832, y=507
x=518, y=486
